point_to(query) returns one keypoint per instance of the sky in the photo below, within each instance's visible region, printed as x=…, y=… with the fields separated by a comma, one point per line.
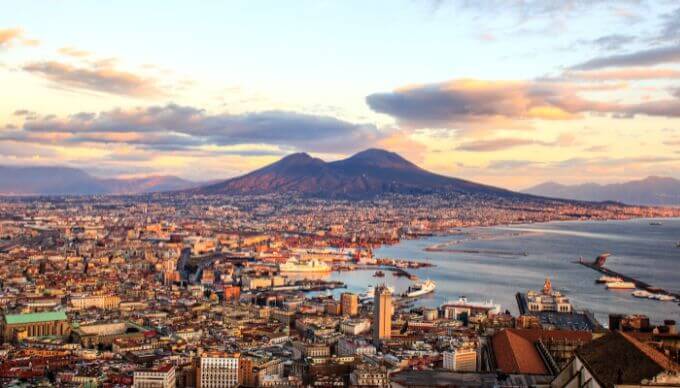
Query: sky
x=503, y=92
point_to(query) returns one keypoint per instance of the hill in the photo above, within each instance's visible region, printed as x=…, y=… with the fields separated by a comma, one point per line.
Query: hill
x=48, y=180
x=649, y=191
x=364, y=174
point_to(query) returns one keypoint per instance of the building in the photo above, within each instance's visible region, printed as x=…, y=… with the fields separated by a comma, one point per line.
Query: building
x=160, y=377
x=461, y=360
x=617, y=360
x=366, y=375
x=218, y=371
x=354, y=347
x=19, y=326
x=106, y=302
x=548, y=300
x=382, y=314
x=350, y=304
x=355, y=326
x=534, y=351
x=105, y=333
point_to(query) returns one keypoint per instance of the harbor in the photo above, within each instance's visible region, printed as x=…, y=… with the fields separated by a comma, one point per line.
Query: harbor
x=598, y=265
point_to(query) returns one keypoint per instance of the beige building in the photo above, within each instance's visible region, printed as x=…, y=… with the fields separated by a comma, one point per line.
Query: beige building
x=382, y=314
x=461, y=360
x=349, y=303
x=106, y=302
x=218, y=371
x=19, y=326
x=160, y=377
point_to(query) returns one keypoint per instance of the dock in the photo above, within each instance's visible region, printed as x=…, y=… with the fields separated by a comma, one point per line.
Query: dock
x=598, y=265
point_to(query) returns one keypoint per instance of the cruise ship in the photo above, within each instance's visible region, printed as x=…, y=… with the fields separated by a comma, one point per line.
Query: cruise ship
x=608, y=279
x=472, y=308
x=369, y=294
x=293, y=265
x=620, y=285
x=420, y=289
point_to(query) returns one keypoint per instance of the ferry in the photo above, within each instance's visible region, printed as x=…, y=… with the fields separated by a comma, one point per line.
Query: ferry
x=620, y=286
x=608, y=279
x=662, y=297
x=462, y=304
x=369, y=294
x=420, y=289
x=293, y=265
x=642, y=294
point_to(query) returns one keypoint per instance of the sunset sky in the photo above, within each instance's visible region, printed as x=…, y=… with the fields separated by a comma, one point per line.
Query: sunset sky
x=509, y=93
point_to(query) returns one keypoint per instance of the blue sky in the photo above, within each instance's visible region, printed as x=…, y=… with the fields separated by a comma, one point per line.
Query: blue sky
x=234, y=60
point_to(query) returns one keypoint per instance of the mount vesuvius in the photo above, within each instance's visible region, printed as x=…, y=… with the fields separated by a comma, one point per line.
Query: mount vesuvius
x=365, y=174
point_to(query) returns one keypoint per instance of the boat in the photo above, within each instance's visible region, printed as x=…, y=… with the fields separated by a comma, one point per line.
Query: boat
x=369, y=294
x=462, y=304
x=294, y=265
x=420, y=289
x=379, y=274
x=620, y=285
x=662, y=297
x=642, y=294
x=608, y=279
x=655, y=223
x=678, y=244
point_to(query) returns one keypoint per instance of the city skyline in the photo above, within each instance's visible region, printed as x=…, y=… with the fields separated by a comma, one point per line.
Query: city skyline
x=504, y=93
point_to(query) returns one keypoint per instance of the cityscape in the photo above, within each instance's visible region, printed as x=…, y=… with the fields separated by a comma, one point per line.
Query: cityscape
x=167, y=226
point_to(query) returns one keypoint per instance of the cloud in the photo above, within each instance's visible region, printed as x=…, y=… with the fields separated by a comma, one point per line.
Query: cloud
x=612, y=42
x=511, y=164
x=500, y=144
x=183, y=127
x=100, y=77
x=631, y=74
x=466, y=103
x=73, y=52
x=648, y=57
x=10, y=35
x=670, y=28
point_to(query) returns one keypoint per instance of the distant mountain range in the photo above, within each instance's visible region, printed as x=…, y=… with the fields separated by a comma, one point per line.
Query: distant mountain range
x=365, y=174
x=649, y=191
x=71, y=181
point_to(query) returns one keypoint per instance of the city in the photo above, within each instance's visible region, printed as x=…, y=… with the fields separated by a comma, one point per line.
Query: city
x=340, y=193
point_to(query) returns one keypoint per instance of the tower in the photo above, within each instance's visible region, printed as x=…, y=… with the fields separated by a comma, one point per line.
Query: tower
x=382, y=314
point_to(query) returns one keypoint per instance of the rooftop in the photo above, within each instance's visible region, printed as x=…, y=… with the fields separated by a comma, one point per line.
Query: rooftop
x=18, y=319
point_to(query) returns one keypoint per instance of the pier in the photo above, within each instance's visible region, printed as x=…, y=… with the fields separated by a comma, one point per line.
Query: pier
x=598, y=265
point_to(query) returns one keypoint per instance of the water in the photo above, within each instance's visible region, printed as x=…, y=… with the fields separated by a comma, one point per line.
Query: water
x=643, y=251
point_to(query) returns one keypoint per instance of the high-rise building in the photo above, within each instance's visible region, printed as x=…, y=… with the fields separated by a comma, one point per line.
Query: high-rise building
x=382, y=314
x=218, y=371
x=159, y=377
x=350, y=304
x=461, y=360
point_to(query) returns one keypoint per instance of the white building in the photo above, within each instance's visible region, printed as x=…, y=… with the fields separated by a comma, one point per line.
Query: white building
x=548, y=300
x=355, y=326
x=461, y=360
x=354, y=347
x=218, y=372
x=161, y=377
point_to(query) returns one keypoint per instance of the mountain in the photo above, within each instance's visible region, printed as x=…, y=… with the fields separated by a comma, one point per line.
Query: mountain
x=649, y=191
x=47, y=180
x=365, y=174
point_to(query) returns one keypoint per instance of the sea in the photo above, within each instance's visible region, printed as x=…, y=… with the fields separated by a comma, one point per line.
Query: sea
x=494, y=263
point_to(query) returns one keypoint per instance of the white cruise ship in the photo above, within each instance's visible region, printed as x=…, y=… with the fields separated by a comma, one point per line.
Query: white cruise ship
x=462, y=304
x=420, y=289
x=369, y=294
x=620, y=285
x=293, y=265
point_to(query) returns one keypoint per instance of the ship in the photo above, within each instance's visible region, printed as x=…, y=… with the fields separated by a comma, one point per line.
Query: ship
x=462, y=304
x=379, y=274
x=293, y=265
x=608, y=279
x=662, y=297
x=369, y=294
x=620, y=285
x=655, y=223
x=642, y=294
x=420, y=289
